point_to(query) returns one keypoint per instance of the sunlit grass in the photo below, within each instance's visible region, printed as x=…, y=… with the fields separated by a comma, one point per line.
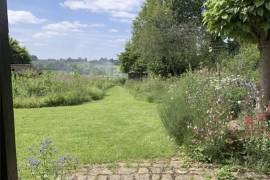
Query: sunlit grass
x=117, y=128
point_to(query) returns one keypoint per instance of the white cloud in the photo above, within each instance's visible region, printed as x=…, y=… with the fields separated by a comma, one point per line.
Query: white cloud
x=40, y=44
x=123, y=15
x=122, y=20
x=113, y=31
x=63, y=28
x=16, y=17
x=118, y=40
x=96, y=25
x=47, y=34
x=122, y=10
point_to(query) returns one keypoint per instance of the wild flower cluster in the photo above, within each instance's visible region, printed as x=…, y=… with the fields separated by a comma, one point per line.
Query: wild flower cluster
x=43, y=163
x=214, y=118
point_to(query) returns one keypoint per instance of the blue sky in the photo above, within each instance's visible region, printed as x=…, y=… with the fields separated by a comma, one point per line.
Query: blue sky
x=72, y=28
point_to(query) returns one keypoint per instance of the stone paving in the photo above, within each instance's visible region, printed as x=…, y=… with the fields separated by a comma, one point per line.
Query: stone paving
x=169, y=169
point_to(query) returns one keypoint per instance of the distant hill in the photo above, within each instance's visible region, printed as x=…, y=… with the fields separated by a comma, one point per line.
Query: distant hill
x=101, y=67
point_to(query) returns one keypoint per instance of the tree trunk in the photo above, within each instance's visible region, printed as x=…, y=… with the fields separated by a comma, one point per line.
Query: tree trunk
x=265, y=72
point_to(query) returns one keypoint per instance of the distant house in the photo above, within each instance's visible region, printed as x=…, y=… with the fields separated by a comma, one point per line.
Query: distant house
x=22, y=68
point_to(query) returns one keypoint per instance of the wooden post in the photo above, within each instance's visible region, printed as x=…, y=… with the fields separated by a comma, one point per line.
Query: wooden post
x=8, y=164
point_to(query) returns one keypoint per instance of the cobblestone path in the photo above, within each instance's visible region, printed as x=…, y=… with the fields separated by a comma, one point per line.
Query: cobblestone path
x=169, y=169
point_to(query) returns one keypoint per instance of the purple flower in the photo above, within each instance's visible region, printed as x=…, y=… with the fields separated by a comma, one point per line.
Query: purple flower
x=32, y=162
x=44, y=146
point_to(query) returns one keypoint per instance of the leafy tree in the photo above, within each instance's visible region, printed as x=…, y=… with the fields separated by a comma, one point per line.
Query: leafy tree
x=34, y=58
x=130, y=60
x=247, y=20
x=18, y=54
x=166, y=44
x=187, y=11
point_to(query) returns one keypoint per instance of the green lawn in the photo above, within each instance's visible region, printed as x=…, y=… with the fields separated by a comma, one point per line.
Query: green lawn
x=116, y=128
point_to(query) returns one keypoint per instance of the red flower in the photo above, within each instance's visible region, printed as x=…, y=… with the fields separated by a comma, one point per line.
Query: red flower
x=261, y=117
x=248, y=120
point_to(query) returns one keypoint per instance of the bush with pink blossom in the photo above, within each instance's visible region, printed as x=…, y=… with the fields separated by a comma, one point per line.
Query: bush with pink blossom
x=213, y=116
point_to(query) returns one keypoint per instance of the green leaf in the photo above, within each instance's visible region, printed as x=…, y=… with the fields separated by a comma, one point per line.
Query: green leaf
x=267, y=5
x=225, y=17
x=266, y=26
x=258, y=3
x=260, y=12
x=245, y=28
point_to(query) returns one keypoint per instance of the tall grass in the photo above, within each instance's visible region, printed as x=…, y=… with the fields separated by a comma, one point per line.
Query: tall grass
x=150, y=89
x=51, y=89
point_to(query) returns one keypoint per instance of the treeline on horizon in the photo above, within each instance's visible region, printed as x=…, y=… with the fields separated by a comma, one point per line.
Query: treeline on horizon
x=98, y=67
x=20, y=55
x=101, y=60
x=105, y=67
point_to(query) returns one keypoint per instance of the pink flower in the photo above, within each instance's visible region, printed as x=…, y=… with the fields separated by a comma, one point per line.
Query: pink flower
x=261, y=117
x=268, y=108
x=248, y=120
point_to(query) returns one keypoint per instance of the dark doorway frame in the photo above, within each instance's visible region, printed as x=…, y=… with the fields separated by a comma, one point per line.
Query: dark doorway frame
x=8, y=162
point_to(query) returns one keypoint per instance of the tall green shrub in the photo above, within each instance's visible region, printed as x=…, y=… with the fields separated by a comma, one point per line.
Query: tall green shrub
x=18, y=54
x=245, y=63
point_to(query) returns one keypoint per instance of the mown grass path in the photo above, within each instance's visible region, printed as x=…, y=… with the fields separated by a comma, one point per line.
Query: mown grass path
x=117, y=128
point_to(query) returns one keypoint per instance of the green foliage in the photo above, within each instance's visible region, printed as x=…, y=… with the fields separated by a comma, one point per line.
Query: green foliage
x=226, y=173
x=150, y=89
x=18, y=54
x=210, y=103
x=97, y=133
x=175, y=119
x=130, y=60
x=214, y=118
x=186, y=11
x=245, y=63
x=247, y=21
x=239, y=19
x=57, y=90
x=257, y=149
x=166, y=40
x=44, y=164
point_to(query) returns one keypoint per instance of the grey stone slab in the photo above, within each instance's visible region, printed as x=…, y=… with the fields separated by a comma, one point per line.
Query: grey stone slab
x=142, y=177
x=156, y=176
x=98, y=171
x=159, y=164
x=167, y=170
x=114, y=177
x=156, y=170
x=181, y=171
x=143, y=171
x=166, y=177
x=127, y=177
x=145, y=164
x=175, y=164
x=102, y=177
x=188, y=177
x=126, y=171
